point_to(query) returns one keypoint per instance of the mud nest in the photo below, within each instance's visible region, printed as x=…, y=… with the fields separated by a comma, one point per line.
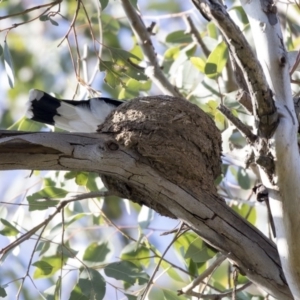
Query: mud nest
x=174, y=136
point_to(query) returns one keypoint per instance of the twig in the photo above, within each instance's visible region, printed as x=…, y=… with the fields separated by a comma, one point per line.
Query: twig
x=191, y=28
x=31, y=20
x=72, y=23
x=235, y=274
x=172, y=231
x=189, y=288
x=151, y=249
x=295, y=65
x=62, y=252
x=221, y=295
x=59, y=207
x=169, y=16
x=30, y=260
x=238, y=123
x=88, y=81
x=31, y=9
x=153, y=70
x=147, y=289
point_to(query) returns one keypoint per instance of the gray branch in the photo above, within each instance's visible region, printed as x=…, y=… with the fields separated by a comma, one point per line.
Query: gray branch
x=207, y=214
x=261, y=95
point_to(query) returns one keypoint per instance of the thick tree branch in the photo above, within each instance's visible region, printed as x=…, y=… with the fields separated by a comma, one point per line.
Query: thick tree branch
x=206, y=214
x=261, y=95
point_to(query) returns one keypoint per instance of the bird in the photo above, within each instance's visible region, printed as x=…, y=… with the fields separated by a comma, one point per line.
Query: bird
x=70, y=115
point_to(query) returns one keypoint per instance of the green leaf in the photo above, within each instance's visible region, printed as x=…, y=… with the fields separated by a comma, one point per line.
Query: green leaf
x=121, y=66
x=131, y=297
x=43, y=199
x=2, y=292
x=172, y=53
x=199, y=63
x=110, y=25
x=90, y=285
x=111, y=73
x=135, y=85
x=92, y=182
x=82, y=178
x=179, y=37
x=48, y=266
x=103, y=3
x=45, y=268
x=212, y=30
x=243, y=179
x=126, y=271
x=53, y=292
x=1, y=50
x=43, y=247
x=170, y=270
x=9, y=68
x=49, y=182
x=170, y=295
x=220, y=277
x=137, y=254
x=9, y=229
x=70, y=175
x=96, y=252
x=216, y=60
x=53, y=22
x=133, y=88
x=26, y=125
x=44, y=18
x=184, y=241
x=192, y=268
x=246, y=211
x=66, y=251
x=219, y=119
x=198, y=251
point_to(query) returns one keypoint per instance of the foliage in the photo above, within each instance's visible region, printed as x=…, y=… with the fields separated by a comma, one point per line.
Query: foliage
x=107, y=247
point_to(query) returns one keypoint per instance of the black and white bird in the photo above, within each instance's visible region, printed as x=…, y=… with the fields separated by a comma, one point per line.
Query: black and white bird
x=80, y=116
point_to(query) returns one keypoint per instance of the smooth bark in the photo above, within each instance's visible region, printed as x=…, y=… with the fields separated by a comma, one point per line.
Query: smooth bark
x=208, y=215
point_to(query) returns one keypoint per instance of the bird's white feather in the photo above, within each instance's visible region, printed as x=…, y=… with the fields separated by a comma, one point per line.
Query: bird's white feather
x=82, y=116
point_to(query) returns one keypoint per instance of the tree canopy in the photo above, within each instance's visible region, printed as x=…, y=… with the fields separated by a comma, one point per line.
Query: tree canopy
x=189, y=190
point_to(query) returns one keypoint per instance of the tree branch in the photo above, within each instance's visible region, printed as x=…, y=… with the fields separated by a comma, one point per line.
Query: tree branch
x=191, y=28
x=261, y=95
x=153, y=70
x=244, y=129
x=284, y=189
x=58, y=208
x=189, y=288
x=206, y=214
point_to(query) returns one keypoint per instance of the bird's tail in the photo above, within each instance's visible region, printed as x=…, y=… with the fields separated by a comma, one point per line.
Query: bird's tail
x=81, y=116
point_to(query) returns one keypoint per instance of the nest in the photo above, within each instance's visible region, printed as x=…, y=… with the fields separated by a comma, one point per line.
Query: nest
x=173, y=136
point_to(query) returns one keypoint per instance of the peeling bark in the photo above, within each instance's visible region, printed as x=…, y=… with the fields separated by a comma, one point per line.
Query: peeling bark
x=283, y=180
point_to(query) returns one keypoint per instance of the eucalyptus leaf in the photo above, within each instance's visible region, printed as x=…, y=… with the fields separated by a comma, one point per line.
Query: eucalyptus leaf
x=8, y=64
